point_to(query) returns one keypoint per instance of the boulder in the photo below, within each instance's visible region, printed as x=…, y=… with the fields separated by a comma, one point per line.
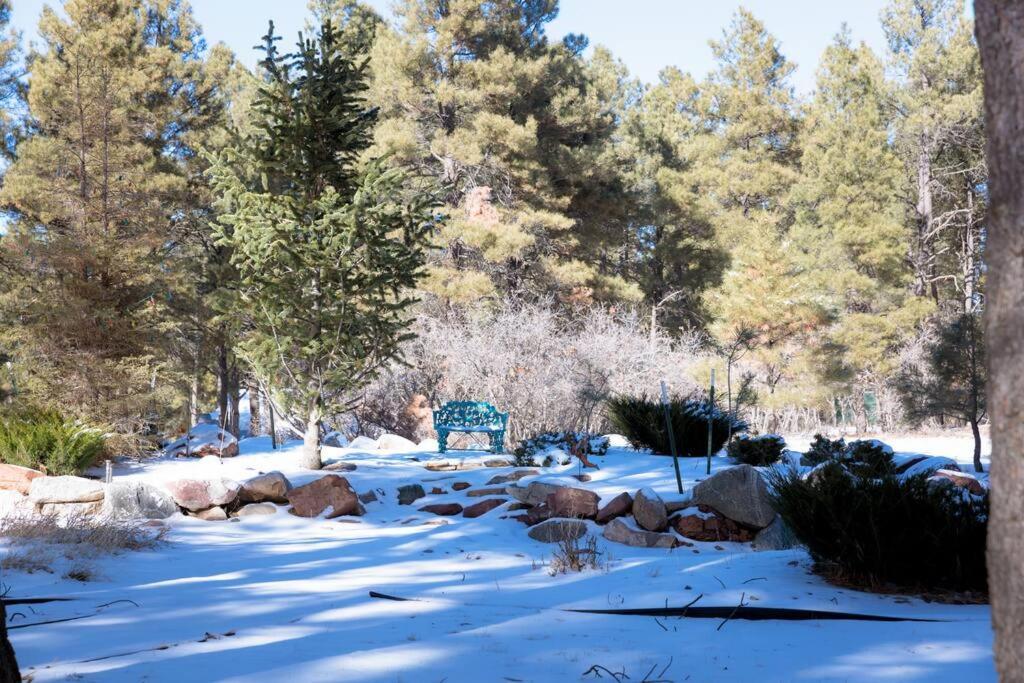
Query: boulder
x=335, y=439
x=443, y=509
x=205, y=438
x=70, y=509
x=775, y=536
x=493, y=491
x=619, y=531
x=256, y=509
x=483, y=507
x=339, y=466
x=363, y=443
x=137, y=500
x=534, y=494
x=65, y=489
x=437, y=491
x=460, y=485
x=926, y=464
x=582, y=478
x=619, y=506
x=574, y=503
x=703, y=523
x=214, y=514
x=200, y=494
x=511, y=476
x=16, y=478
x=960, y=480
x=330, y=491
x=497, y=462
x=739, y=493
x=442, y=466
x=558, y=530
x=649, y=510
x=394, y=442
x=534, y=514
x=368, y=497
x=410, y=493
x=272, y=487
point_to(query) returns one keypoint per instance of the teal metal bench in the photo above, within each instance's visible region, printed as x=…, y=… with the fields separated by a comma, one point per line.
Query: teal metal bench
x=470, y=417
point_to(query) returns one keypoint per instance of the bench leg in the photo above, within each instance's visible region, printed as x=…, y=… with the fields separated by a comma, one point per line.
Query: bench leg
x=442, y=441
x=497, y=442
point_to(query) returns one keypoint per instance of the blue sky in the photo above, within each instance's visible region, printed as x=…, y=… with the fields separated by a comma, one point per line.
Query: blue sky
x=646, y=34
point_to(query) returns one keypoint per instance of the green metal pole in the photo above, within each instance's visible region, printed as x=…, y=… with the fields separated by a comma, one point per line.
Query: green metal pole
x=671, y=434
x=711, y=408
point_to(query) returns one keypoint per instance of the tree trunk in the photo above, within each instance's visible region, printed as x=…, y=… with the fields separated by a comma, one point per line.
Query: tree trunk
x=8, y=664
x=255, y=409
x=311, y=442
x=976, y=430
x=223, y=384
x=234, y=398
x=1000, y=33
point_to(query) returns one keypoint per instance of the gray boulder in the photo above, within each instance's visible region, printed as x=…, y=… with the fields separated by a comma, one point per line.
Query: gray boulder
x=64, y=489
x=255, y=509
x=775, y=536
x=739, y=493
x=558, y=530
x=536, y=493
x=621, y=532
x=270, y=487
x=410, y=493
x=649, y=510
x=137, y=500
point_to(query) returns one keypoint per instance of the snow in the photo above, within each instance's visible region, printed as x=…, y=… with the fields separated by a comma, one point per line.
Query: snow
x=294, y=595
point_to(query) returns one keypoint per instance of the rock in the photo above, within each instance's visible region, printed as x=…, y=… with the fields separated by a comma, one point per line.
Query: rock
x=703, y=523
x=574, y=503
x=583, y=478
x=16, y=478
x=775, y=536
x=461, y=485
x=339, y=466
x=394, y=442
x=214, y=514
x=511, y=476
x=64, y=489
x=534, y=494
x=205, y=438
x=534, y=515
x=496, y=491
x=254, y=509
x=497, y=462
x=70, y=509
x=410, y=493
x=272, y=487
x=444, y=509
x=137, y=500
x=960, y=479
x=739, y=493
x=558, y=530
x=368, y=497
x=483, y=507
x=621, y=532
x=618, y=506
x=330, y=491
x=335, y=439
x=200, y=494
x=441, y=466
x=675, y=504
x=437, y=491
x=649, y=510
x=518, y=506
x=926, y=465
x=13, y=503
x=363, y=443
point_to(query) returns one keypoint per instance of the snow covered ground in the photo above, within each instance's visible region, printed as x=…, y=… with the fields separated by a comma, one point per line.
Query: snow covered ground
x=279, y=597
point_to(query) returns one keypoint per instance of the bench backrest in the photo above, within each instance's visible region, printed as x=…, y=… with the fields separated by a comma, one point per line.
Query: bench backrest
x=468, y=414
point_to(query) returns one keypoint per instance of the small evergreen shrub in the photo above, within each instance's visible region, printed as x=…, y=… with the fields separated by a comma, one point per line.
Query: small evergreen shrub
x=884, y=531
x=758, y=451
x=525, y=453
x=824, y=449
x=870, y=458
x=44, y=439
x=642, y=421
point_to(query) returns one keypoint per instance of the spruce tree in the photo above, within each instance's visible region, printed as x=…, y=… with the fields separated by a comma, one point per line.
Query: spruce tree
x=327, y=244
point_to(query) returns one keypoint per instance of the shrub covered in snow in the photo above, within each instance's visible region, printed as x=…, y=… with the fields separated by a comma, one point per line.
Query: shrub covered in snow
x=869, y=457
x=824, y=449
x=879, y=531
x=642, y=421
x=528, y=450
x=758, y=451
x=44, y=439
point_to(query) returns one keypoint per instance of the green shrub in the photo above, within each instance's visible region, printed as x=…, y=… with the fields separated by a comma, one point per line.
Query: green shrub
x=871, y=458
x=757, y=450
x=642, y=421
x=44, y=439
x=824, y=449
x=886, y=531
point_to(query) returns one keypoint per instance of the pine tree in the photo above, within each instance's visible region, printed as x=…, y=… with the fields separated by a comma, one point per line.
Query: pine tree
x=93, y=191
x=12, y=89
x=327, y=245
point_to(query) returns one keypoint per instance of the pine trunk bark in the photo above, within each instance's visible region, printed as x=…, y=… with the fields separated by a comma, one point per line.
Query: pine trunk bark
x=255, y=409
x=8, y=664
x=311, y=442
x=1000, y=31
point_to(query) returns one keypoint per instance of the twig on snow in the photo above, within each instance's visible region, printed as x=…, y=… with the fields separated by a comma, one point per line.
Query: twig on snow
x=733, y=613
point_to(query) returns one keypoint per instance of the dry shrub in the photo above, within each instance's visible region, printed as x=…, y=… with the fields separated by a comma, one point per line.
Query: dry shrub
x=91, y=534
x=575, y=555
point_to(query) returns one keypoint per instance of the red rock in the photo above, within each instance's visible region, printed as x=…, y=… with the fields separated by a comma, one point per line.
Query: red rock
x=460, y=485
x=16, y=478
x=707, y=524
x=573, y=503
x=444, y=509
x=478, y=493
x=437, y=491
x=328, y=491
x=535, y=515
x=619, y=506
x=960, y=479
x=483, y=507
x=229, y=450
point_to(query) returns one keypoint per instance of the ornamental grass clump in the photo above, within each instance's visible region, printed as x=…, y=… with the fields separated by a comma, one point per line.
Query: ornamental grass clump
x=46, y=440
x=886, y=532
x=642, y=421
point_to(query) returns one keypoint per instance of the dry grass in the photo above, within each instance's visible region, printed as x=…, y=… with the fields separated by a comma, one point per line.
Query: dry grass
x=575, y=555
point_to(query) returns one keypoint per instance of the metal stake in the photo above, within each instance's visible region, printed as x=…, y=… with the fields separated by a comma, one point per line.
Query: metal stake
x=671, y=434
x=711, y=408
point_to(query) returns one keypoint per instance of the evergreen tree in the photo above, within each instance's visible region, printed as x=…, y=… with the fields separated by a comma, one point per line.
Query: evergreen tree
x=327, y=245
x=12, y=89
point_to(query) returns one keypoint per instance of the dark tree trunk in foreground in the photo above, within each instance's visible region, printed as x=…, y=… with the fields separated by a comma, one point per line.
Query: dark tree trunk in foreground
x=1000, y=32
x=8, y=664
